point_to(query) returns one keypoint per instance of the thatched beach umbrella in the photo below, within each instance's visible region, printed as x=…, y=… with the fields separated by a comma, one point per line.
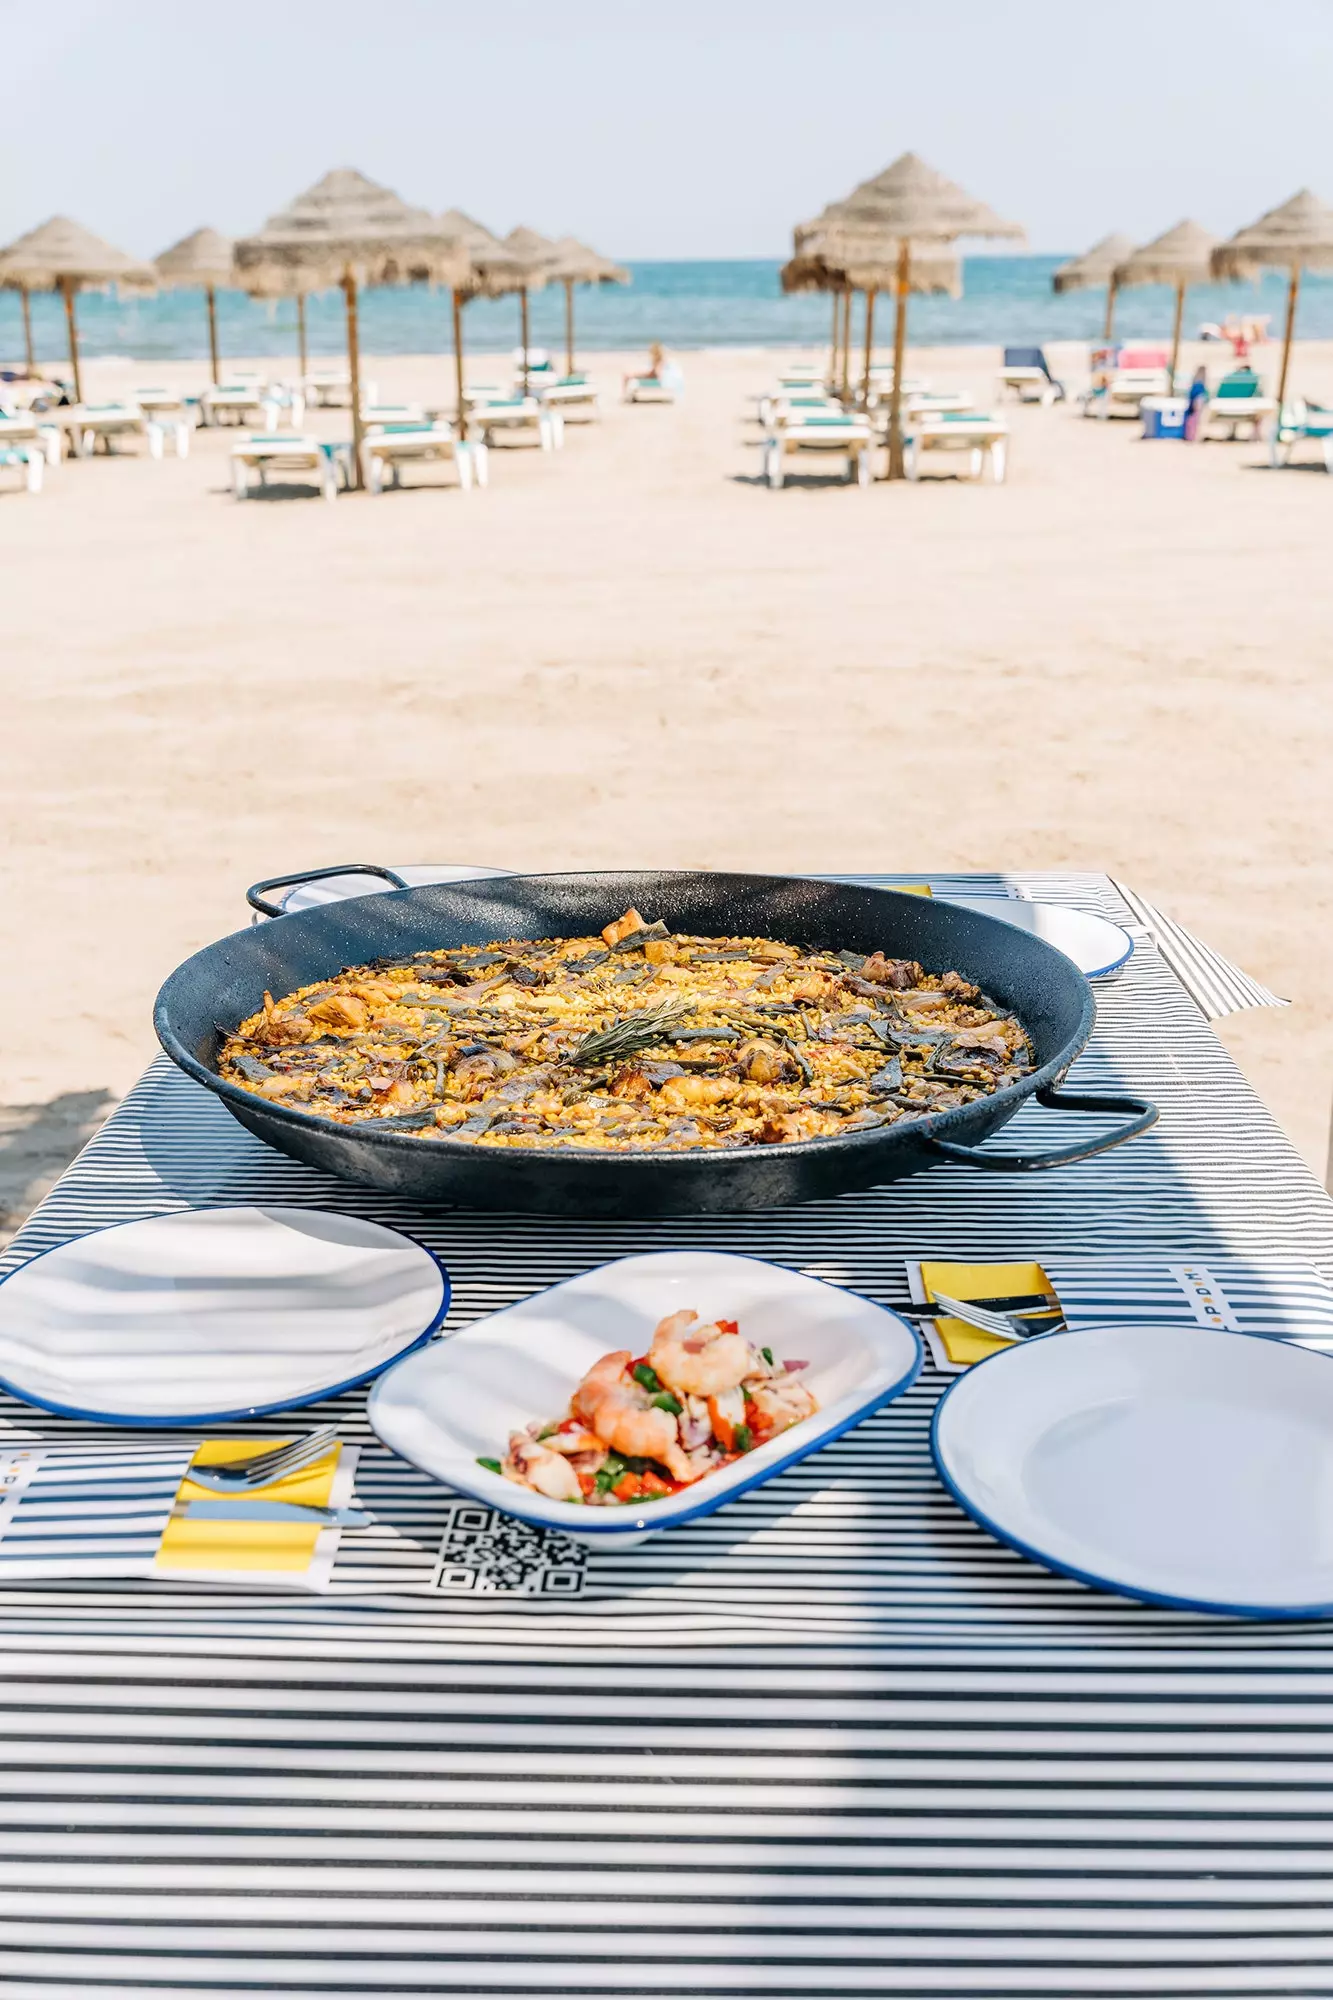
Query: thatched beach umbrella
x=348, y=231
x=1181, y=257
x=1294, y=238
x=492, y=272
x=62, y=256
x=1096, y=267
x=573, y=263
x=201, y=259
x=534, y=254
x=912, y=203
x=830, y=256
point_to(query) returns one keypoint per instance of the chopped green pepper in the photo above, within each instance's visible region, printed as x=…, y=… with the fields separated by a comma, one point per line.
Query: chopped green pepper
x=742, y=1437
x=646, y=1377
x=767, y=1353
x=666, y=1401
x=489, y=1464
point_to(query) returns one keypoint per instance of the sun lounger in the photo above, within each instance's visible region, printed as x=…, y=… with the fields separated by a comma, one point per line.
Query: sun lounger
x=325, y=464
x=390, y=447
x=982, y=437
x=668, y=387
x=331, y=388
x=22, y=427
x=573, y=395
x=837, y=436
x=1239, y=399
x=517, y=414
x=794, y=405
x=1026, y=372
x=1300, y=423
x=29, y=459
x=253, y=402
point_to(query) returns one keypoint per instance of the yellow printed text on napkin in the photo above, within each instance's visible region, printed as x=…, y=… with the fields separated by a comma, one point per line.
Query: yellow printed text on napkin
x=963, y=1344
x=259, y=1547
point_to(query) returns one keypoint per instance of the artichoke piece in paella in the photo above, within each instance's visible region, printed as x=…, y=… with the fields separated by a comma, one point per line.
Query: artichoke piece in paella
x=636, y=1040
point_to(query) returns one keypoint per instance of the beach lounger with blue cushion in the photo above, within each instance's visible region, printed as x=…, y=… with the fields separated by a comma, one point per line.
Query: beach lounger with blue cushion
x=1239, y=399
x=1027, y=373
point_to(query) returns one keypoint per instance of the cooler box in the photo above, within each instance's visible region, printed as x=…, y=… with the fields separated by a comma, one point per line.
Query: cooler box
x=1163, y=416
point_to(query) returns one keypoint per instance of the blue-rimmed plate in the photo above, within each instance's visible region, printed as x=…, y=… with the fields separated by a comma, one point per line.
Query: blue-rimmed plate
x=214, y=1314
x=458, y=1401
x=1097, y=947
x=1183, y=1465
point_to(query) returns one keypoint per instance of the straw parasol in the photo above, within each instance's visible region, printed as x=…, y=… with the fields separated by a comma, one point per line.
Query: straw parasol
x=62, y=256
x=830, y=256
x=1296, y=237
x=493, y=272
x=533, y=254
x=573, y=263
x=1181, y=257
x=347, y=230
x=202, y=258
x=1096, y=267
x=910, y=202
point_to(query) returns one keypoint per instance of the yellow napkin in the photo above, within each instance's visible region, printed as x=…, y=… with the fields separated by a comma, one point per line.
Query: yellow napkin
x=272, y=1548
x=963, y=1344
x=914, y=888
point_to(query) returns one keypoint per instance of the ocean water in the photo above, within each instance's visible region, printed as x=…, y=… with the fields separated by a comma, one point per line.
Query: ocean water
x=684, y=305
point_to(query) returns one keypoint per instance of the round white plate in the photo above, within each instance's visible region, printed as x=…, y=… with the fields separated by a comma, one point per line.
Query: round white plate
x=1183, y=1465
x=214, y=1314
x=459, y=1400
x=335, y=888
x=1097, y=947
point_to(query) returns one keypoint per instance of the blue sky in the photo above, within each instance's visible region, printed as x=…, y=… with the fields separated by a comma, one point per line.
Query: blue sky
x=688, y=129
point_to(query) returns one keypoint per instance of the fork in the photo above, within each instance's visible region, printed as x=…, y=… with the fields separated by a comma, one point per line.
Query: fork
x=239, y=1475
x=1002, y=1325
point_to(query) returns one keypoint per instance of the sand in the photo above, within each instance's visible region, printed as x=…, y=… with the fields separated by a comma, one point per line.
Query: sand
x=634, y=653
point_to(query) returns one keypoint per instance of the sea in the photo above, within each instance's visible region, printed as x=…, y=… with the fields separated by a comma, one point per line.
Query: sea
x=738, y=303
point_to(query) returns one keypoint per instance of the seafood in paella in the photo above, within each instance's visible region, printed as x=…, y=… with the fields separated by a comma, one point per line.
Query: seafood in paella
x=637, y=1430
x=634, y=1040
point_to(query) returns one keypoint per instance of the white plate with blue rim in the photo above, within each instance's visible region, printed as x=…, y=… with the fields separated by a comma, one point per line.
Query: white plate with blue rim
x=211, y=1315
x=455, y=1403
x=1097, y=947
x=1186, y=1466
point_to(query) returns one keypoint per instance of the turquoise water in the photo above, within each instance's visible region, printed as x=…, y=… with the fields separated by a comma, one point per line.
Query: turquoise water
x=685, y=305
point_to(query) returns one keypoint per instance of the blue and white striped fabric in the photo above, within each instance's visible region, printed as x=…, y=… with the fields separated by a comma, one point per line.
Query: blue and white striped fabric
x=832, y=1741
x=84, y=1512
x=1284, y=1301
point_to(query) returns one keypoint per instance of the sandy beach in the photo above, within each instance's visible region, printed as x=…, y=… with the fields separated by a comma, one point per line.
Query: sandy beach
x=632, y=653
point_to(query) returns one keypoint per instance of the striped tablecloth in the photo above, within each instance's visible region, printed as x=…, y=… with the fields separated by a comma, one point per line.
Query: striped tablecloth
x=831, y=1741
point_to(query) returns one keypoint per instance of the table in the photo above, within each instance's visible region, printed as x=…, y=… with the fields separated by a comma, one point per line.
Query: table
x=831, y=1741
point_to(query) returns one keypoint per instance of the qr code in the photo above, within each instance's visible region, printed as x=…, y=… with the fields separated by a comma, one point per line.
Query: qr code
x=484, y=1552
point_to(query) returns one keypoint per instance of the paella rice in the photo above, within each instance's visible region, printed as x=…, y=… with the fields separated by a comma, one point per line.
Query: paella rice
x=637, y=1039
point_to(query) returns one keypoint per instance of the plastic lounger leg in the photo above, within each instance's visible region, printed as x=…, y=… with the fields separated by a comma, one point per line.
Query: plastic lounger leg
x=865, y=467
x=240, y=481
x=328, y=480
x=182, y=440
x=912, y=460
x=53, y=440
x=975, y=461
x=35, y=460
x=481, y=464
x=154, y=440
x=1328, y=454
x=372, y=471
x=463, y=461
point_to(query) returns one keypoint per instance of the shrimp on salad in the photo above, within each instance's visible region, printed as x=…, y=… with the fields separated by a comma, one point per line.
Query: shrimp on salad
x=700, y=1398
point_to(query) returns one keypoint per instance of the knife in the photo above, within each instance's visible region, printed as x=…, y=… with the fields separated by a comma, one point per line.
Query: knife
x=271, y=1510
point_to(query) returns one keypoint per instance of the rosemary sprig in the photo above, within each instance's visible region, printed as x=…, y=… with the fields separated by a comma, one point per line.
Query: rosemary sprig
x=626, y=1036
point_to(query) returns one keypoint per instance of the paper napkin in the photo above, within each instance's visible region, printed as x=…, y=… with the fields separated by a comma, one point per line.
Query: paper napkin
x=953, y=1344
x=272, y=1552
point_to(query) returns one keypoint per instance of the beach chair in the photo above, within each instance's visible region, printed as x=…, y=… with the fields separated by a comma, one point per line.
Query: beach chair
x=984, y=438
x=28, y=459
x=326, y=465
x=1026, y=374
x=792, y=405
x=331, y=388
x=668, y=387
x=391, y=446
x=572, y=395
x=1301, y=422
x=539, y=362
x=25, y=427
x=519, y=417
x=819, y=436
x=1122, y=378
x=252, y=402
x=1239, y=399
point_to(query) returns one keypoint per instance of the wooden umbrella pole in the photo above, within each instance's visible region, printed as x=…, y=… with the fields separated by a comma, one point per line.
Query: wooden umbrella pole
x=211, y=295
x=569, y=326
x=870, y=345
x=523, y=325
x=300, y=335
x=1293, y=292
x=845, y=365
x=25, y=299
x=896, y=467
x=1109, y=321
x=67, y=288
x=460, y=406
x=354, y=365
x=1175, y=333
x=833, y=339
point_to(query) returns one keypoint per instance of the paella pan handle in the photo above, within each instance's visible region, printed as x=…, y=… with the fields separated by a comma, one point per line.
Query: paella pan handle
x=1140, y=1112
x=257, y=894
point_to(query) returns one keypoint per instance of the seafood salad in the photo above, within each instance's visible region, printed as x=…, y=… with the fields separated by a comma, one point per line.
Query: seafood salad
x=637, y=1430
x=633, y=1040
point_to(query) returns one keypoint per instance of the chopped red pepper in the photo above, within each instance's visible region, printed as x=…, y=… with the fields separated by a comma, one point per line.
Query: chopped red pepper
x=728, y=1326
x=628, y=1487
x=653, y=1484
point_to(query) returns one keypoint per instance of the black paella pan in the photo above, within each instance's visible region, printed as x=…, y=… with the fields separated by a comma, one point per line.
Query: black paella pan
x=211, y=993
